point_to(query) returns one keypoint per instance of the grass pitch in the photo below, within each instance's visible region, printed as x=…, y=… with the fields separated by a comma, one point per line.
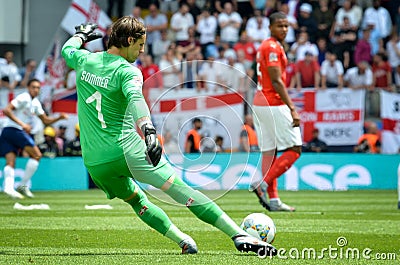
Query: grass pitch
x=327, y=228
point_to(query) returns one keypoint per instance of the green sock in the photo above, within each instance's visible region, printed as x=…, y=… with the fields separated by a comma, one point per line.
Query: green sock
x=149, y=213
x=228, y=226
x=175, y=234
x=204, y=208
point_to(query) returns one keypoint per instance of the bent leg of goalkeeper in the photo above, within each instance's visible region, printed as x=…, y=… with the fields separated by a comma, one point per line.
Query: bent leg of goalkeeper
x=163, y=177
x=156, y=218
x=115, y=180
x=200, y=205
x=209, y=212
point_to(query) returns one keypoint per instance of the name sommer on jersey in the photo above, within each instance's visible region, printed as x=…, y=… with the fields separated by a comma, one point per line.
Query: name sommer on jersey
x=94, y=79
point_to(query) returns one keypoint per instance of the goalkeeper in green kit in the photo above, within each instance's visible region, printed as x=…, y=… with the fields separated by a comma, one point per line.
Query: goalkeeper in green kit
x=110, y=106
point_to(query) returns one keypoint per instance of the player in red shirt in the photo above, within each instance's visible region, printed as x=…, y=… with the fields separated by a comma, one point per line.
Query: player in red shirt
x=276, y=119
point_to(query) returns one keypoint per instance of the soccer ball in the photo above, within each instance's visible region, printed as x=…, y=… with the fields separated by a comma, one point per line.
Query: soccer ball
x=260, y=226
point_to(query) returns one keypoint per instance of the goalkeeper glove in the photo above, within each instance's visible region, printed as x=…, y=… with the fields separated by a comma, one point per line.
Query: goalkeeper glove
x=86, y=32
x=154, y=149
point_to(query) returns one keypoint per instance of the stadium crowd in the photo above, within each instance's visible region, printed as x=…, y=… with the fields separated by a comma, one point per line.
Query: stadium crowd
x=203, y=45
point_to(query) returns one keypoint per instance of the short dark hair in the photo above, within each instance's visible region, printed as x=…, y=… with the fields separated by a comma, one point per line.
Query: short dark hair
x=183, y=3
x=7, y=51
x=196, y=120
x=207, y=9
x=124, y=28
x=219, y=138
x=276, y=16
x=382, y=55
x=32, y=80
x=154, y=3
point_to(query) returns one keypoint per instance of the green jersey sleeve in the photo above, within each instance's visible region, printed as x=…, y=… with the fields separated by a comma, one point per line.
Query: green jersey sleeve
x=71, y=52
x=132, y=88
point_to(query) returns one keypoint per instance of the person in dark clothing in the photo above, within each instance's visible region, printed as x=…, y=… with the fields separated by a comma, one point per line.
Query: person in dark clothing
x=73, y=147
x=193, y=138
x=119, y=4
x=316, y=145
x=307, y=22
x=49, y=147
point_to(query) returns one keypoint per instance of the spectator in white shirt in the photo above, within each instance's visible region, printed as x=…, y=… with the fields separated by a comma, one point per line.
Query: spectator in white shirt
x=352, y=12
x=299, y=48
x=393, y=53
x=252, y=22
x=161, y=47
x=331, y=72
x=206, y=27
x=181, y=21
x=229, y=21
x=170, y=68
x=9, y=73
x=233, y=74
x=155, y=23
x=259, y=33
x=380, y=17
x=359, y=77
x=291, y=35
x=209, y=73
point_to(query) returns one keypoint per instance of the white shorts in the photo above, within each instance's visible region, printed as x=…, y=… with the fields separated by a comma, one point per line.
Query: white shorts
x=274, y=128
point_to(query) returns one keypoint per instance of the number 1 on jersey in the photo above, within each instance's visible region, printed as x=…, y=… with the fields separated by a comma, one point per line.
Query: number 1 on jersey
x=97, y=97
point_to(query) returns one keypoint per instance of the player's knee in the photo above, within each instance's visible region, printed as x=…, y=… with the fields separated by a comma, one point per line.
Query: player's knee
x=10, y=159
x=134, y=198
x=167, y=185
x=138, y=197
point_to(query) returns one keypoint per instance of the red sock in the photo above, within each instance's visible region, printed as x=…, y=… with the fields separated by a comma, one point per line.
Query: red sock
x=10, y=96
x=272, y=190
x=281, y=165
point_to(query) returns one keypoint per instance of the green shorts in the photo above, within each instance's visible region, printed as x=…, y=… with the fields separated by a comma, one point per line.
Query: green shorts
x=116, y=178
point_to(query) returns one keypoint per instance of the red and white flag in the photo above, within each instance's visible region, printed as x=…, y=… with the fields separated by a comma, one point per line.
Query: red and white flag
x=221, y=114
x=390, y=114
x=338, y=114
x=51, y=72
x=84, y=11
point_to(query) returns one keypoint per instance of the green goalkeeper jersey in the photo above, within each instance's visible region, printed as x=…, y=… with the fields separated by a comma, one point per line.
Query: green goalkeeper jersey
x=110, y=101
